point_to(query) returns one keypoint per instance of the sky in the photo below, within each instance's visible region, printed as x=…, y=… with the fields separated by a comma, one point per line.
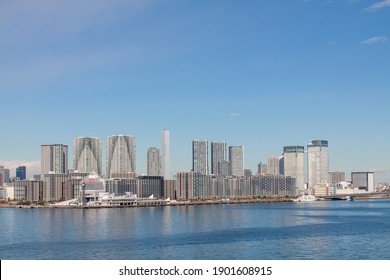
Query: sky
x=261, y=74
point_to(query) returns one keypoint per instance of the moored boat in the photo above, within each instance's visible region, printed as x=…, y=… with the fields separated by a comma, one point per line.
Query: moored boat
x=306, y=198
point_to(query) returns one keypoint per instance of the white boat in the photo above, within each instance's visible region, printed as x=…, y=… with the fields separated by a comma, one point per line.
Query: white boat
x=306, y=198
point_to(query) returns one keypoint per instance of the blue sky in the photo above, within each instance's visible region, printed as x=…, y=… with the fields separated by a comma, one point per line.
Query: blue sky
x=262, y=74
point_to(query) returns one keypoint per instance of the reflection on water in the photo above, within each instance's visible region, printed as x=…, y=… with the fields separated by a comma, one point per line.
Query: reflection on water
x=323, y=230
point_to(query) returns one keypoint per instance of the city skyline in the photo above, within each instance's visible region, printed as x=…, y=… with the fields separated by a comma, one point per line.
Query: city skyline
x=61, y=158
x=262, y=74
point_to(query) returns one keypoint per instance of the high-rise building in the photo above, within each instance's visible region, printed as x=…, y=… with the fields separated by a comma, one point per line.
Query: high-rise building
x=87, y=154
x=120, y=155
x=165, y=158
x=317, y=162
x=274, y=165
x=200, y=162
x=236, y=158
x=262, y=168
x=248, y=172
x=218, y=154
x=30, y=190
x=294, y=165
x=54, y=186
x=191, y=185
x=54, y=159
x=153, y=162
x=336, y=177
x=224, y=168
x=5, y=175
x=21, y=172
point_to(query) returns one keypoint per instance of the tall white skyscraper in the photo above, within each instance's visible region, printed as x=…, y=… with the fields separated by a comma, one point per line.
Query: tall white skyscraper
x=294, y=165
x=153, y=161
x=165, y=160
x=54, y=158
x=218, y=154
x=200, y=154
x=87, y=154
x=120, y=155
x=236, y=158
x=317, y=162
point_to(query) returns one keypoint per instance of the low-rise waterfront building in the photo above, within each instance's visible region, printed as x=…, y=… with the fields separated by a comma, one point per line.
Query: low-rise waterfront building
x=150, y=185
x=170, y=189
x=363, y=180
x=29, y=190
x=120, y=187
x=54, y=188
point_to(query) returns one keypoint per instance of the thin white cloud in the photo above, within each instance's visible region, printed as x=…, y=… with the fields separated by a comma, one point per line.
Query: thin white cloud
x=379, y=5
x=374, y=40
x=232, y=115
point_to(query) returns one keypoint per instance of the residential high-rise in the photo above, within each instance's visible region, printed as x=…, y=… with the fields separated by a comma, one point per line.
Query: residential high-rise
x=317, y=162
x=87, y=154
x=120, y=155
x=224, y=168
x=248, y=172
x=275, y=165
x=54, y=159
x=200, y=162
x=153, y=162
x=236, y=158
x=262, y=168
x=5, y=175
x=294, y=165
x=218, y=154
x=21, y=172
x=165, y=159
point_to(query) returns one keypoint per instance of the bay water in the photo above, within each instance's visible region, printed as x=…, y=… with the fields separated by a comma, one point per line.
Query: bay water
x=323, y=230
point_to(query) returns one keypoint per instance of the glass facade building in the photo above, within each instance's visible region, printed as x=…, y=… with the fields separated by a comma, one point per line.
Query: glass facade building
x=21, y=172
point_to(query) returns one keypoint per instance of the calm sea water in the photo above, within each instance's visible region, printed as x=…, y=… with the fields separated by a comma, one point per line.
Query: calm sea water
x=322, y=230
